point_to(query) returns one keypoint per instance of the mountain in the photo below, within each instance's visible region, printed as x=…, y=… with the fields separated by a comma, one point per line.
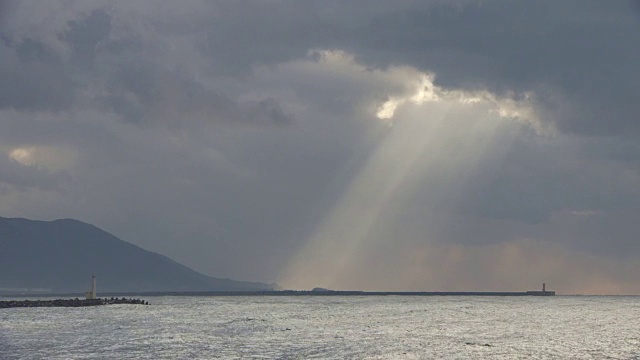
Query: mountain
x=60, y=256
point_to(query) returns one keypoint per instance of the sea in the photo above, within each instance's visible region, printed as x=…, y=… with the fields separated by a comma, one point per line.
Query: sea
x=330, y=327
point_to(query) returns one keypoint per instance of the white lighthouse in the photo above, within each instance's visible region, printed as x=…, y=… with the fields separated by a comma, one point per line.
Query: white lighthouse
x=90, y=295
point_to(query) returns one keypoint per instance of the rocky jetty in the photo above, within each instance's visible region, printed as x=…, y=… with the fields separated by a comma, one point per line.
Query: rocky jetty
x=70, y=302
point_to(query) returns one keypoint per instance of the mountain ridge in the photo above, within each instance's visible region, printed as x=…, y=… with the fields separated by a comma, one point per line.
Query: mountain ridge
x=60, y=256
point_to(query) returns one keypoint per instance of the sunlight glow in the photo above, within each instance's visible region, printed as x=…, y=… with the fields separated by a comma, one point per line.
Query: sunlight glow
x=49, y=157
x=22, y=155
x=417, y=151
x=438, y=135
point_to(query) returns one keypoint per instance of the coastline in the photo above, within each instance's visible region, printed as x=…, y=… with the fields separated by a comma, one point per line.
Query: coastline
x=69, y=302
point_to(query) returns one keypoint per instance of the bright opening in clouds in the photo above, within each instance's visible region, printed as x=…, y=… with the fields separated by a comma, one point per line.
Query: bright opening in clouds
x=482, y=145
x=51, y=158
x=438, y=138
x=22, y=155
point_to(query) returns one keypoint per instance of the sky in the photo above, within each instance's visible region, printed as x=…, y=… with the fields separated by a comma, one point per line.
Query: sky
x=366, y=145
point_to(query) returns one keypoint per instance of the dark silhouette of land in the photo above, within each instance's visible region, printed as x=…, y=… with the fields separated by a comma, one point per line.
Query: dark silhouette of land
x=56, y=257
x=341, y=293
x=69, y=302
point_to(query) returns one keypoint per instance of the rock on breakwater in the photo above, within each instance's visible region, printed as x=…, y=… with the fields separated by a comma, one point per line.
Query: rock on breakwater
x=69, y=302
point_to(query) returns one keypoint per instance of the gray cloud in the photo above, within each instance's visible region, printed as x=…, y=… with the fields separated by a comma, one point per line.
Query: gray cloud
x=223, y=135
x=33, y=78
x=581, y=52
x=146, y=93
x=21, y=178
x=86, y=36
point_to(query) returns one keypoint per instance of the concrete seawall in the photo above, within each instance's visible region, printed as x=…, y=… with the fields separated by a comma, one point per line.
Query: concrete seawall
x=69, y=302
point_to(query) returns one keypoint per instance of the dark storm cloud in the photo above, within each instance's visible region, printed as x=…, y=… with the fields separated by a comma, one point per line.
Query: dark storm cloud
x=143, y=92
x=221, y=133
x=139, y=89
x=86, y=36
x=579, y=57
x=4, y=8
x=513, y=188
x=36, y=77
x=33, y=78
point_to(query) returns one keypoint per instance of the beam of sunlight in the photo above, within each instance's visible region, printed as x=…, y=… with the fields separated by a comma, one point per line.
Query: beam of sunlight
x=430, y=138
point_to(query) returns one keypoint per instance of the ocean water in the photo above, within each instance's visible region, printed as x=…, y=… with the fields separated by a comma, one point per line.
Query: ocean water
x=349, y=327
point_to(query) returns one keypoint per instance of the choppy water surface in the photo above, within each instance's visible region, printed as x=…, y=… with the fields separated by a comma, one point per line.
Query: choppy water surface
x=380, y=327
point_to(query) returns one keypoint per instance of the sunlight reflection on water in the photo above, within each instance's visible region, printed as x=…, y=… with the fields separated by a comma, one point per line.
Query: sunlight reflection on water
x=380, y=327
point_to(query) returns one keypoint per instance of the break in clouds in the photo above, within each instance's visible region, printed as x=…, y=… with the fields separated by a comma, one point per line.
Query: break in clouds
x=401, y=145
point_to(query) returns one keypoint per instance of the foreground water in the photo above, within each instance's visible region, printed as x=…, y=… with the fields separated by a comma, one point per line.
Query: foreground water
x=350, y=327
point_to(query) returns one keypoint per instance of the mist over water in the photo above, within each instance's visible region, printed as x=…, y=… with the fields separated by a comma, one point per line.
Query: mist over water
x=374, y=327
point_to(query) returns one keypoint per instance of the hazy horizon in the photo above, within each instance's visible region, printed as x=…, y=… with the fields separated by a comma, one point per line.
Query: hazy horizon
x=366, y=145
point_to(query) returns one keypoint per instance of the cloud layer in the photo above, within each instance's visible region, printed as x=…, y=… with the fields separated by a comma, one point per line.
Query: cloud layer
x=405, y=145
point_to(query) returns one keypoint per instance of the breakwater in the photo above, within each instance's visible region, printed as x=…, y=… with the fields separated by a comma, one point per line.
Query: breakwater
x=70, y=302
x=347, y=293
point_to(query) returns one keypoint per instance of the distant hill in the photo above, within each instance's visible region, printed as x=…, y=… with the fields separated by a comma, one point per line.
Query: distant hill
x=60, y=256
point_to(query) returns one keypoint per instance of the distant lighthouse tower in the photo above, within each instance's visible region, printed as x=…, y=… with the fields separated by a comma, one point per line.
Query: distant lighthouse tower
x=90, y=295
